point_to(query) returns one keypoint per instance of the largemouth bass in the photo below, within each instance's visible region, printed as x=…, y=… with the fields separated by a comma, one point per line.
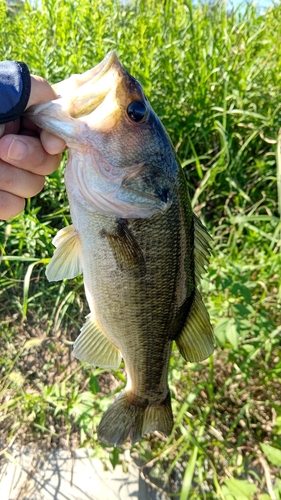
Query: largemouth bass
x=134, y=237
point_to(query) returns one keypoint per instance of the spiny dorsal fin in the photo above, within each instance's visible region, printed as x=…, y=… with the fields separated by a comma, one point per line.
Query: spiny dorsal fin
x=94, y=347
x=196, y=340
x=201, y=248
x=67, y=259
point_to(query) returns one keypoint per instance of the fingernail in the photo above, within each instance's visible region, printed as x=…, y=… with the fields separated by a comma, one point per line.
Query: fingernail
x=2, y=129
x=17, y=150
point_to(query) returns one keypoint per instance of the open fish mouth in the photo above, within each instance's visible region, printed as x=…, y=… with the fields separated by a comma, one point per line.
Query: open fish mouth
x=95, y=85
x=78, y=99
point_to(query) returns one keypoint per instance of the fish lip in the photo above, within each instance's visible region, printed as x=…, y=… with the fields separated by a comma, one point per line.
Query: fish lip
x=74, y=112
x=105, y=65
x=95, y=87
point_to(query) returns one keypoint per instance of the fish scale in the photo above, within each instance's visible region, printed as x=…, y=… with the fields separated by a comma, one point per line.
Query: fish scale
x=134, y=237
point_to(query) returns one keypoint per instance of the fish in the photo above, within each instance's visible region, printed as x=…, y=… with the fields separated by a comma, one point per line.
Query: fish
x=134, y=237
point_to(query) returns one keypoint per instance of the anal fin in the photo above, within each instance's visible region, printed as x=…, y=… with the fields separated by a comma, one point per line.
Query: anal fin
x=67, y=259
x=94, y=347
x=196, y=340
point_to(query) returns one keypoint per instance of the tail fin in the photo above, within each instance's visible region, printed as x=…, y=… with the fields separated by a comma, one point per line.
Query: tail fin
x=124, y=419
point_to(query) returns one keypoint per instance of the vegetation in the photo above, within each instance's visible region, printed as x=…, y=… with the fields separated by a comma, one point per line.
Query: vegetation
x=213, y=76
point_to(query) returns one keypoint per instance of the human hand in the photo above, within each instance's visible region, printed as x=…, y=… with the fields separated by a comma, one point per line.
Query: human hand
x=27, y=154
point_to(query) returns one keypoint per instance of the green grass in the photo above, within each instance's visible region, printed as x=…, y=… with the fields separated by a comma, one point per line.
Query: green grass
x=214, y=78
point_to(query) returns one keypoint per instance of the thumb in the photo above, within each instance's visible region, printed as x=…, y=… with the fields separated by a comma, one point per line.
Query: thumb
x=41, y=91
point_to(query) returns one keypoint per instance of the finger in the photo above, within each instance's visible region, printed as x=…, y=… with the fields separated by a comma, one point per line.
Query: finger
x=41, y=91
x=51, y=143
x=27, y=153
x=9, y=128
x=20, y=182
x=10, y=205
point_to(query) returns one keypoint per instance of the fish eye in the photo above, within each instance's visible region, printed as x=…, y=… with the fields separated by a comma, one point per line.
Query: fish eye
x=137, y=111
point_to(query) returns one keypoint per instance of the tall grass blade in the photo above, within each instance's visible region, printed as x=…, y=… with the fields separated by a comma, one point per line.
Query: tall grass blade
x=278, y=167
x=188, y=475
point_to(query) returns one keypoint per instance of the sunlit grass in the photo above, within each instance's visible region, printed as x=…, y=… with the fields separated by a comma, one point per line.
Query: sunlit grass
x=213, y=77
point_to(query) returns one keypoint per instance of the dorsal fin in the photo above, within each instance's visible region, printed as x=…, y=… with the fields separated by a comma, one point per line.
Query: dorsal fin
x=196, y=340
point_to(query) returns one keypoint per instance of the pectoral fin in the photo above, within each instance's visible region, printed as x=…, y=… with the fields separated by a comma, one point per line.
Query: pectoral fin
x=196, y=340
x=95, y=348
x=125, y=247
x=67, y=259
